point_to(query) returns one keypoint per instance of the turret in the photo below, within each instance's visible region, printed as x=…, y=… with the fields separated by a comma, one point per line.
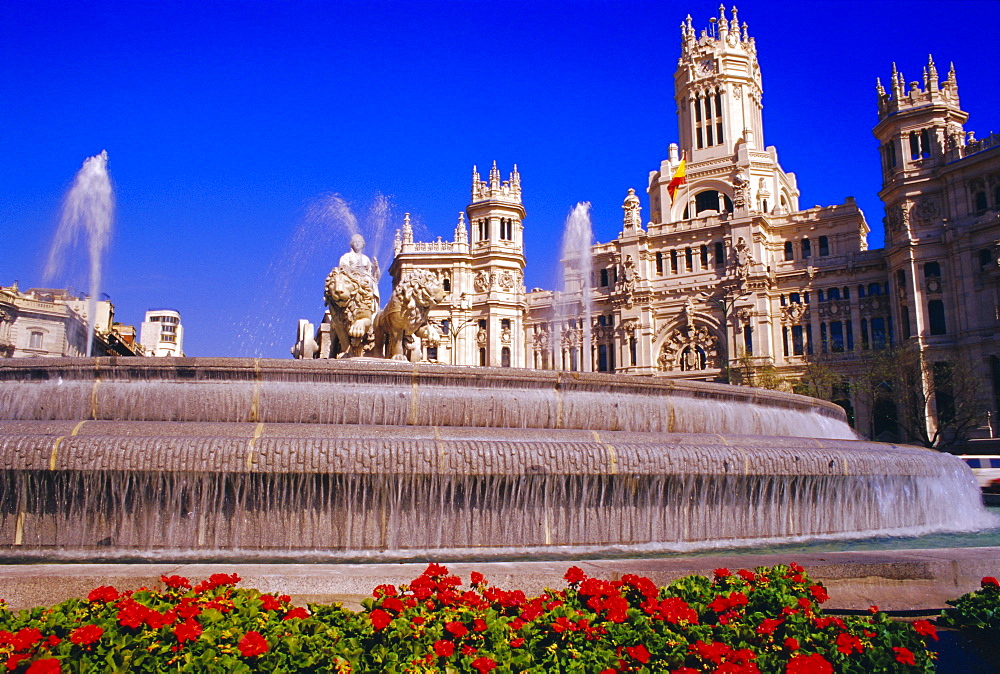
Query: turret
x=496, y=211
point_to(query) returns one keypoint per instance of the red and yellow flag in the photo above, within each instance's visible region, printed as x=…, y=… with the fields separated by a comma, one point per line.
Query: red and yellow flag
x=678, y=178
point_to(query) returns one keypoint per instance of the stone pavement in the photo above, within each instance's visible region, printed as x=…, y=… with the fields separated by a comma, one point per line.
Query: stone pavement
x=897, y=580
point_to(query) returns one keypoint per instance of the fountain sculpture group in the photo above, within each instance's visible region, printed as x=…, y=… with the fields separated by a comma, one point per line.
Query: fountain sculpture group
x=365, y=458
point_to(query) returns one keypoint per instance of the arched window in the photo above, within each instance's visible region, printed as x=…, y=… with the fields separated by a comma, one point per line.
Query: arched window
x=446, y=284
x=935, y=317
x=874, y=289
x=833, y=294
x=708, y=200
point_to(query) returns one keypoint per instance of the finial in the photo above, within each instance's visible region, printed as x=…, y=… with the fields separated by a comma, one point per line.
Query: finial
x=461, y=235
x=926, y=81
x=407, y=229
x=746, y=32
x=878, y=86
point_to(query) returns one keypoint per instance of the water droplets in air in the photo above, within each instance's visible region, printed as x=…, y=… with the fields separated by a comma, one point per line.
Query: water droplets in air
x=577, y=267
x=88, y=214
x=292, y=285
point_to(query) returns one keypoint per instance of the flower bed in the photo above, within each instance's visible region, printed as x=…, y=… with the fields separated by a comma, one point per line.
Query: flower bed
x=767, y=620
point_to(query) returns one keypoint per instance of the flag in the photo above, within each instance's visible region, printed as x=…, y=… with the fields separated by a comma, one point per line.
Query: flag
x=678, y=178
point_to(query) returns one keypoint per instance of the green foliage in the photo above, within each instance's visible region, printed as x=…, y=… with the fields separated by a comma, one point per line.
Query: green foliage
x=767, y=620
x=978, y=610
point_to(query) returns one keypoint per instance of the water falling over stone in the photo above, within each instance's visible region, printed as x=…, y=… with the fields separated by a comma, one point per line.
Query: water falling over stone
x=239, y=459
x=87, y=213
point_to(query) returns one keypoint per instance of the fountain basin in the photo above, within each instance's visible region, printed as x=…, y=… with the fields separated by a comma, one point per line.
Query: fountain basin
x=212, y=459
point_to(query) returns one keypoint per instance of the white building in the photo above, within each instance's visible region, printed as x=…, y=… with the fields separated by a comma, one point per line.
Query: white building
x=162, y=334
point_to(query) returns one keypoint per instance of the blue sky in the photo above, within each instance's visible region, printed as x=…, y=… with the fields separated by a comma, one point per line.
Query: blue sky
x=224, y=121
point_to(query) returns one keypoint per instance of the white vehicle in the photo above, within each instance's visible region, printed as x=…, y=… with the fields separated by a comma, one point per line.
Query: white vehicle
x=986, y=468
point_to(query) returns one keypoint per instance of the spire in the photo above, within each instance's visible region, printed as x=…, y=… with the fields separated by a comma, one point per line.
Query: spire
x=407, y=229
x=461, y=233
x=932, y=74
x=735, y=24
x=878, y=87
x=494, y=177
x=723, y=23
x=476, y=183
x=896, y=91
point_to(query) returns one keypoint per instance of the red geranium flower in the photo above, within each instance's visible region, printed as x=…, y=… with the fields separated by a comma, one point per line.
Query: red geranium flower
x=517, y=643
x=467, y=650
x=269, y=602
x=990, y=581
x=746, y=575
x=379, y=618
x=479, y=625
x=925, y=629
x=176, y=582
x=394, y=604
x=25, y=638
x=189, y=630
x=15, y=659
x=575, y=575
x=483, y=664
x=819, y=593
x=457, y=629
x=45, y=666
x=297, y=612
x=443, y=648
x=904, y=655
x=639, y=653
x=809, y=664
x=792, y=644
x=476, y=578
x=435, y=571
x=105, y=593
x=768, y=625
x=848, y=643
x=253, y=644
x=384, y=591
x=873, y=609
x=722, y=573
x=86, y=635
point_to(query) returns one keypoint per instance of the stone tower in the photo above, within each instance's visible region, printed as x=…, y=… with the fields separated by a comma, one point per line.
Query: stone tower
x=496, y=246
x=718, y=91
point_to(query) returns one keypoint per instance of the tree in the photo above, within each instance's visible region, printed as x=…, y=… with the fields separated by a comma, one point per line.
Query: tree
x=756, y=372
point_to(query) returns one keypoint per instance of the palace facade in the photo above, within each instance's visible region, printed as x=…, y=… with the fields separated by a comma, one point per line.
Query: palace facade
x=727, y=267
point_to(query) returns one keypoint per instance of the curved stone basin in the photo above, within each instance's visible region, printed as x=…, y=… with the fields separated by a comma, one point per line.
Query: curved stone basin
x=231, y=458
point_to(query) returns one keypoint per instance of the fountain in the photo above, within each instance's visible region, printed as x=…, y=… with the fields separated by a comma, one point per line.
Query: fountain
x=216, y=459
x=87, y=212
x=577, y=263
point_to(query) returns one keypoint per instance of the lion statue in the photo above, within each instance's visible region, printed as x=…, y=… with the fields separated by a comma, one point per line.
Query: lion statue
x=349, y=295
x=405, y=315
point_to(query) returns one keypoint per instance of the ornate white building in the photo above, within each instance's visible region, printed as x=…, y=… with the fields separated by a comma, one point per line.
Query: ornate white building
x=728, y=265
x=162, y=334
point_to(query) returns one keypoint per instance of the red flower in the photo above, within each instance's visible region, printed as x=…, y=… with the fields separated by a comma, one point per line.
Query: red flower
x=269, y=603
x=925, y=629
x=639, y=653
x=384, y=591
x=105, y=593
x=792, y=644
x=722, y=573
x=419, y=620
x=435, y=571
x=253, y=644
x=476, y=578
x=746, y=575
x=45, y=666
x=394, y=604
x=768, y=625
x=873, y=609
x=297, y=612
x=714, y=652
x=444, y=649
x=380, y=619
x=467, y=650
x=479, y=625
x=904, y=655
x=575, y=575
x=517, y=643
x=86, y=635
x=847, y=643
x=189, y=630
x=483, y=664
x=457, y=629
x=990, y=581
x=25, y=638
x=176, y=582
x=809, y=664
x=15, y=659
x=819, y=593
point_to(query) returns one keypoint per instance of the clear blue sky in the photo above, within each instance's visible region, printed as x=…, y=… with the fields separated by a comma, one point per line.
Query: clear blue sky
x=225, y=120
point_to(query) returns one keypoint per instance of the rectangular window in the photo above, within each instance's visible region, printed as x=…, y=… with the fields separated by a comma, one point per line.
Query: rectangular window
x=849, y=329
x=789, y=251
x=720, y=254
x=806, y=248
x=748, y=340
x=824, y=246
x=604, y=278
x=673, y=262
x=822, y=298
x=823, y=341
x=704, y=257
x=784, y=341
x=659, y=263
x=798, y=347
x=837, y=337
x=602, y=358
x=864, y=333
x=782, y=300
x=688, y=259
x=878, y=333
x=35, y=340
x=809, y=339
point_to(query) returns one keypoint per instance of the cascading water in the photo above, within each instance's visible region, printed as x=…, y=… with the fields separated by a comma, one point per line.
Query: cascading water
x=314, y=247
x=577, y=265
x=87, y=212
x=237, y=459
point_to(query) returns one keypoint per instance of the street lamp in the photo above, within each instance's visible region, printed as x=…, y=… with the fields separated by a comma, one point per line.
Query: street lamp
x=726, y=302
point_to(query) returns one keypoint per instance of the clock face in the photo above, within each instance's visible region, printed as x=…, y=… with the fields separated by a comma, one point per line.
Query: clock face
x=707, y=66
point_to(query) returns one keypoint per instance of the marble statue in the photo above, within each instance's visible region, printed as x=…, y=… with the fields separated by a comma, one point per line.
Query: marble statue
x=405, y=315
x=351, y=296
